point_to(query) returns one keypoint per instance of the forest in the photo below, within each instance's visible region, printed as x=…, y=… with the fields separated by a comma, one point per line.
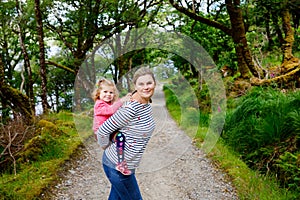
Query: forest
x=237, y=56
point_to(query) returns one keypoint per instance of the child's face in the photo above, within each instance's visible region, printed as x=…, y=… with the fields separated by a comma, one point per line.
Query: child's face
x=107, y=93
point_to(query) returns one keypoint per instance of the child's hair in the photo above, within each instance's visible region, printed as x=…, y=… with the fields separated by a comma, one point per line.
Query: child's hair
x=99, y=87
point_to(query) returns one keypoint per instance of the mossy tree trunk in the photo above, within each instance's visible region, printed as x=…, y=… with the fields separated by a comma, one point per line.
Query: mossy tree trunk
x=289, y=61
x=290, y=67
x=43, y=72
x=18, y=102
x=245, y=60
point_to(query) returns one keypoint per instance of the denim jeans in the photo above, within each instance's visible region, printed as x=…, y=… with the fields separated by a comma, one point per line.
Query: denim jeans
x=122, y=187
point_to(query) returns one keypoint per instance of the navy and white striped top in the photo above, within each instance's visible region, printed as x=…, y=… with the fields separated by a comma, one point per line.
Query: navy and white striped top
x=135, y=121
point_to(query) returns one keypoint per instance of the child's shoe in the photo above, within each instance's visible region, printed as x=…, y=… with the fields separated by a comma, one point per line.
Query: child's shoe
x=123, y=168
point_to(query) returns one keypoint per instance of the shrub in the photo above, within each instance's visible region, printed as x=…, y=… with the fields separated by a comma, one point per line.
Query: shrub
x=14, y=135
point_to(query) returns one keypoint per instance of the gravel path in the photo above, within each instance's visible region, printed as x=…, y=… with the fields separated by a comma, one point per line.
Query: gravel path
x=171, y=168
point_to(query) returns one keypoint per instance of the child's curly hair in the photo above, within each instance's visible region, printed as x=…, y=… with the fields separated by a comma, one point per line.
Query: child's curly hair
x=99, y=87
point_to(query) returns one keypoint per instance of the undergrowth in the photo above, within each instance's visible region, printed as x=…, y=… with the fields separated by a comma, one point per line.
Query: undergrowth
x=265, y=130
x=53, y=141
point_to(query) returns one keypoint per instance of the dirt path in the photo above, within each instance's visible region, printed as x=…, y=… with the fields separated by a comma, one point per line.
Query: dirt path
x=171, y=168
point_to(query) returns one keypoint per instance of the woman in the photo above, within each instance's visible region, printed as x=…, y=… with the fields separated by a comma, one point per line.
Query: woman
x=134, y=119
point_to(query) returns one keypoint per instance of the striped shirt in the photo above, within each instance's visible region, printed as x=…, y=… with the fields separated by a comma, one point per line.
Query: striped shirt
x=135, y=121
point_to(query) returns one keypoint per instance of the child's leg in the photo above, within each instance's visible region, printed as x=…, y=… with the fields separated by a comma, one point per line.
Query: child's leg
x=120, y=143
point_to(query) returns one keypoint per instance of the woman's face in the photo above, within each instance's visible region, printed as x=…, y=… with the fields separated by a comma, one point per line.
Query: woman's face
x=145, y=87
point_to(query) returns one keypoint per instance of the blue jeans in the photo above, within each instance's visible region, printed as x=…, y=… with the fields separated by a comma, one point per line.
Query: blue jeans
x=122, y=187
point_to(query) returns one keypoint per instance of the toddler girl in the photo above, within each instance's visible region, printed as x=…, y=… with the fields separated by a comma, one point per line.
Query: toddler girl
x=106, y=104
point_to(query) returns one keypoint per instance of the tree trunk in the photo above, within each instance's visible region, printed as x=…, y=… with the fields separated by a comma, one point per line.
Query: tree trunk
x=5, y=113
x=289, y=61
x=26, y=59
x=43, y=72
x=289, y=80
x=268, y=31
x=239, y=37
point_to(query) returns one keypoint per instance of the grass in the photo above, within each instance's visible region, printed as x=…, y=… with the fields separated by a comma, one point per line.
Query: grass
x=33, y=176
x=249, y=184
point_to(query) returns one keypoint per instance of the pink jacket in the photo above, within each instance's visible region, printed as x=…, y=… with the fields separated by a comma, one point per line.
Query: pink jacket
x=103, y=110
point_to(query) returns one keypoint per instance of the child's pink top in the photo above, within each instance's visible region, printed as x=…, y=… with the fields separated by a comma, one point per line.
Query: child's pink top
x=103, y=110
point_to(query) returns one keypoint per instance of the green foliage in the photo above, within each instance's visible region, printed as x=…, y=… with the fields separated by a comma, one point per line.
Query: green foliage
x=218, y=44
x=259, y=120
x=263, y=127
x=180, y=103
x=289, y=170
x=60, y=85
x=172, y=103
x=55, y=141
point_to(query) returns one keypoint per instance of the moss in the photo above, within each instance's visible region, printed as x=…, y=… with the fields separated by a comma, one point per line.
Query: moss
x=237, y=88
x=44, y=137
x=289, y=65
x=284, y=79
x=66, y=124
x=45, y=123
x=48, y=127
x=33, y=149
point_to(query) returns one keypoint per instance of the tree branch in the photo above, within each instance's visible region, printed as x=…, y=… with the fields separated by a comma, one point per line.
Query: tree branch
x=60, y=66
x=198, y=18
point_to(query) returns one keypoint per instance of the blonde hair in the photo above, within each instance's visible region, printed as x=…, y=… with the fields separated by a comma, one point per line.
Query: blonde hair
x=99, y=87
x=142, y=72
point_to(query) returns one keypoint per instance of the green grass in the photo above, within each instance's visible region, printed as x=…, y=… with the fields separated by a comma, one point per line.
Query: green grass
x=33, y=176
x=264, y=130
x=249, y=184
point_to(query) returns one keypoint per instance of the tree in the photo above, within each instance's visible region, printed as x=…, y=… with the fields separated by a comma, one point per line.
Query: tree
x=12, y=97
x=290, y=67
x=81, y=25
x=238, y=29
x=27, y=66
x=43, y=72
x=237, y=32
